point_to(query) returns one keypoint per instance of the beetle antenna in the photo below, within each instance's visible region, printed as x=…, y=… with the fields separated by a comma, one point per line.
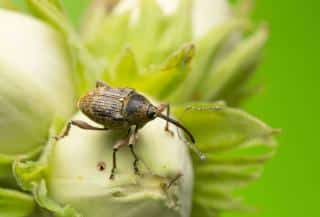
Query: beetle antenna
x=178, y=125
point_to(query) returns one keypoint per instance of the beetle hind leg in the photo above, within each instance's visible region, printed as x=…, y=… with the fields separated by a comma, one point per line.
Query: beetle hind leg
x=136, y=160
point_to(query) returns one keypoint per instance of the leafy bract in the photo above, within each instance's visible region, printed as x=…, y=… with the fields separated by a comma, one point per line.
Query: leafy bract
x=85, y=68
x=126, y=69
x=161, y=80
x=207, y=50
x=234, y=68
x=31, y=177
x=15, y=204
x=6, y=161
x=8, y=4
x=152, y=33
x=236, y=146
x=36, y=184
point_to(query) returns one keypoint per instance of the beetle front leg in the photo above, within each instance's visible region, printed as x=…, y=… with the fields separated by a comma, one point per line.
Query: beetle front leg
x=161, y=108
x=132, y=142
x=80, y=124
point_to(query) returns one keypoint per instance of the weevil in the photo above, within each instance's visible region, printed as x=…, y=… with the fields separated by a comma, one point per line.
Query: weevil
x=123, y=109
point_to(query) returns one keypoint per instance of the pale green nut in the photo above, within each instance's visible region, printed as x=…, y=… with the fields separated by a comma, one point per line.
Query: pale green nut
x=80, y=168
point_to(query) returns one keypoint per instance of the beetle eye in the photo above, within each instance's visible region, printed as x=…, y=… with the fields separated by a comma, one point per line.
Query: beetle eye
x=151, y=114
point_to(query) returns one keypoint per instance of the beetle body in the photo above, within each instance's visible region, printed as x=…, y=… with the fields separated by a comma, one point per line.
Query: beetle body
x=116, y=108
x=120, y=108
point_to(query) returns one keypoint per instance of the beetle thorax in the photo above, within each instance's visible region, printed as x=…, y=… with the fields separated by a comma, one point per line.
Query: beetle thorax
x=136, y=109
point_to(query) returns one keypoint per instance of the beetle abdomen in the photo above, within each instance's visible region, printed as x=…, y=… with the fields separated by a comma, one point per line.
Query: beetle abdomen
x=105, y=106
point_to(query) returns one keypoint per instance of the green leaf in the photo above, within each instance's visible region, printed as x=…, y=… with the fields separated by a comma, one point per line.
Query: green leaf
x=239, y=90
x=144, y=34
x=234, y=66
x=178, y=29
x=43, y=200
x=110, y=37
x=162, y=81
x=30, y=175
x=243, y=8
x=126, y=68
x=94, y=16
x=216, y=126
x=86, y=69
x=207, y=50
x=6, y=162
x=112, y=32
x=236, y=145
x=15, y=204
x=57, y=4
x=51, y=12
x=8, y=4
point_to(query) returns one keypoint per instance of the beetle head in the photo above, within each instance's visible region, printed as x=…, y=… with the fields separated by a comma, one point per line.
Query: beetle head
x=137, y=109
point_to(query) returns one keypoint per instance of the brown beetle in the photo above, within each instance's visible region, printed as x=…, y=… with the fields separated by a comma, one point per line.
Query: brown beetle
x=120, y=108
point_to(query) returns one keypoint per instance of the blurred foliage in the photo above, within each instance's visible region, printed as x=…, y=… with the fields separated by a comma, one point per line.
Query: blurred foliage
x=170, y=69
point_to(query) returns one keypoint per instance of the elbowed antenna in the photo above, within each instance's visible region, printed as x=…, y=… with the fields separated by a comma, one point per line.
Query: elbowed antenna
x=178, y=125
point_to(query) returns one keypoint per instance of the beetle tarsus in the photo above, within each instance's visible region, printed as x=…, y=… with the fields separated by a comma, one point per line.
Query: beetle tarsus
x=136, y=160
x=114, y=165
x=136, y=168
x=174, y=180
x=170, y=132
x=112, y=175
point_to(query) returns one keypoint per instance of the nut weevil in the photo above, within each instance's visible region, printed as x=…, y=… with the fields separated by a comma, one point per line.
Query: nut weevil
x=120, y=108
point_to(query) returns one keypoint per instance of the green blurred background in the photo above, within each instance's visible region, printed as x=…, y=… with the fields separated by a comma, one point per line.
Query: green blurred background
x=289, y=101
x=290, y=71
x=290, y=186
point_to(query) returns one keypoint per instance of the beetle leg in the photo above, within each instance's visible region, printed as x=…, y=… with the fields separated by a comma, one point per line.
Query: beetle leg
x=174, y=180
x=116, y=147
x=132, y=142
x=80, y=124
x=161, y=108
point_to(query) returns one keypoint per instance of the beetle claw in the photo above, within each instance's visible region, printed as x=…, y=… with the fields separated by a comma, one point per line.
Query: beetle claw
x=111, y=176
x=137, y=172
x=170, y=132
x=135, y=167
x=57, y=138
